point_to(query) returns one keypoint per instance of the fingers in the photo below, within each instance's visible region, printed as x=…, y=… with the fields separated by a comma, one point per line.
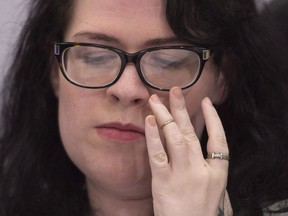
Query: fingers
x=181, y=141
x=179, y=133
x=182, y=118
x=174, y=140
x=157, y=154
x=217, y=141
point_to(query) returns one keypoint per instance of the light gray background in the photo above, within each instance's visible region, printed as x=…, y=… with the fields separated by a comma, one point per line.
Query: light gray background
x=12, y=15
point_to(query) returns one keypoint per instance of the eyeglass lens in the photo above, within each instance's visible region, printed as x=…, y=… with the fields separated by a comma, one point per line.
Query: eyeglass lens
x=163, y=68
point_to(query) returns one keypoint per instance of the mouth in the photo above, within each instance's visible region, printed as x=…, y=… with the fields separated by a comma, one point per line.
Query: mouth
x=119, y=132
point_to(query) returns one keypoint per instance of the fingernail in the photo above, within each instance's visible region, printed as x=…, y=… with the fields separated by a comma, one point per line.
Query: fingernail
x=177, y=92
x=207, y=101
x=151, y=120
x=155, y=99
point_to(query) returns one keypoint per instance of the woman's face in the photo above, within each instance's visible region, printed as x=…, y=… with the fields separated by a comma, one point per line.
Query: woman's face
x=103, y=129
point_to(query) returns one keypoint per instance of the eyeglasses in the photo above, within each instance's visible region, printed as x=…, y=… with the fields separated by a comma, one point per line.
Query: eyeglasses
x=98, y=66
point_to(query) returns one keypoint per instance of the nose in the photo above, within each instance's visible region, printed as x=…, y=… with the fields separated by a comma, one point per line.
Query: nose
x=129, y=89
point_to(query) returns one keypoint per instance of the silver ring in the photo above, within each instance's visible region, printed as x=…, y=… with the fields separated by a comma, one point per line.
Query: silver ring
x=166, y=123
x=220, y=156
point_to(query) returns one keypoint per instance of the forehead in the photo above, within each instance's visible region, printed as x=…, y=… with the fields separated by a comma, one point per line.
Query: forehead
x=124, y=19
x=120, y=7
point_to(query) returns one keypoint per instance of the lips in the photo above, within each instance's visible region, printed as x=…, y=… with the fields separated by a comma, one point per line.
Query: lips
x=119, y=132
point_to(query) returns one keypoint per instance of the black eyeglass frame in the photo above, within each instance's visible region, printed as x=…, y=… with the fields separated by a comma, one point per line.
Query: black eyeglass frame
x=60, y=48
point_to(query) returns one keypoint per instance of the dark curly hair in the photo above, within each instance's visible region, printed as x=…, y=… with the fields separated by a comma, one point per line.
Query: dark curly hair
x=38, y=178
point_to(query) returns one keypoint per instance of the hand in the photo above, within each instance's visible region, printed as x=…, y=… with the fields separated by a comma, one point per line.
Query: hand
x=183, y=182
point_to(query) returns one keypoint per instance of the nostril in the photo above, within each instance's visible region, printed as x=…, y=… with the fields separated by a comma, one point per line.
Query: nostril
x=115, y=98
x=137, y=101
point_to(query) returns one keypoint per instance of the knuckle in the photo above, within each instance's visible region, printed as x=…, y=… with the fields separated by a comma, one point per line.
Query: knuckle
x=193, y=138
x=181, y=107
x=188, y=131
x=179, y=140
x=160, y=157
x=190, y=135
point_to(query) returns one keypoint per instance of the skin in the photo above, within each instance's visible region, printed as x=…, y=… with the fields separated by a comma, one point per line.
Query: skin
x=116, y=162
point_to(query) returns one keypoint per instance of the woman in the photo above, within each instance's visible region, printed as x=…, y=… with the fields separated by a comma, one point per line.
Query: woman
x=75, y=139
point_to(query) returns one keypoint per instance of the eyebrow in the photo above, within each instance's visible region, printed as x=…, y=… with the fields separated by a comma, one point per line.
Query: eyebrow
x=97, y=36
x=111, y=39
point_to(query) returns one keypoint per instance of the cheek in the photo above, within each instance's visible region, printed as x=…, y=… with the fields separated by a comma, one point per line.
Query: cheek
x=195, y=112
x=70, y=116
x=206, y=86
x=76, y=109
x=70, y=104
x=76, y=105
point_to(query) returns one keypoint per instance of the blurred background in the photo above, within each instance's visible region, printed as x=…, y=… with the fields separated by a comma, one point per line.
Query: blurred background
x=12, y=16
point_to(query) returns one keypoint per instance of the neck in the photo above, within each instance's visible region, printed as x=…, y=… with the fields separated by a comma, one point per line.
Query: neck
x=104, y=203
